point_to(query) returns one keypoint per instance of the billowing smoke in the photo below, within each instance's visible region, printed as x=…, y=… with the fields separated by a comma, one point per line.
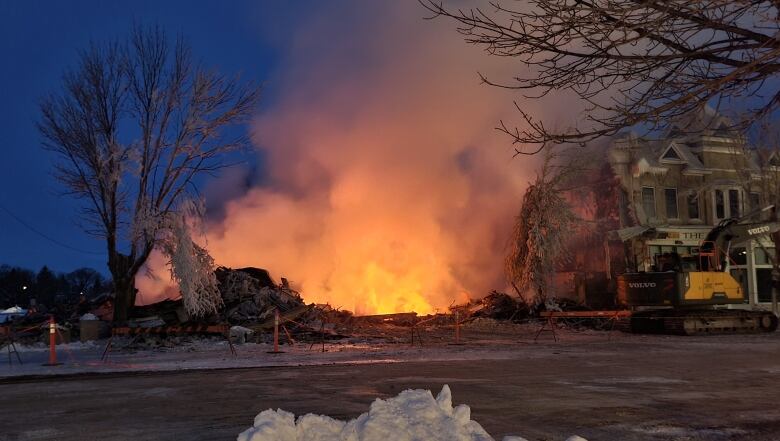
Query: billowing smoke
x=386, y=187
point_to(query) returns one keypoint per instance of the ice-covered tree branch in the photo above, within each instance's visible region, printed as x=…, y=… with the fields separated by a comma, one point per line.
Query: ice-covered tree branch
x=631, y=62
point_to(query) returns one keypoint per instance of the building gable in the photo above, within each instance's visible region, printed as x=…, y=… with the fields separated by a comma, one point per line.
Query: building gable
x=672, y=154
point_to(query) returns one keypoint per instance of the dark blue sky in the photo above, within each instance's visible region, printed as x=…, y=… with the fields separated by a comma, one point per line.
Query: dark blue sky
x=40, y=40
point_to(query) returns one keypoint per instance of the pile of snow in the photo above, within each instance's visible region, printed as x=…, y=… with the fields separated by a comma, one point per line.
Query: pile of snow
x=413, y=415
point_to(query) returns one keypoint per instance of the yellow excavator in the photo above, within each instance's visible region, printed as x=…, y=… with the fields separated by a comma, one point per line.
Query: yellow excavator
x=687, y=297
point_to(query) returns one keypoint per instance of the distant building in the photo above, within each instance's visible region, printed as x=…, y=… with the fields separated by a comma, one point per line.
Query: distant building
x=674, y=189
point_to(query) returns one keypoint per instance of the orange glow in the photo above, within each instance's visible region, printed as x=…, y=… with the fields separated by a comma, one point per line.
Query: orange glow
x=382, y=292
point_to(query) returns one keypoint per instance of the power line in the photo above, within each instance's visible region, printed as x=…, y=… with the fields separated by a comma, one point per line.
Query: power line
x=45, y=236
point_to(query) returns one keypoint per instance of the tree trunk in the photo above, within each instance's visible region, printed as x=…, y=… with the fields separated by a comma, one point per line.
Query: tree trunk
x=124, y=300
x=124, y=286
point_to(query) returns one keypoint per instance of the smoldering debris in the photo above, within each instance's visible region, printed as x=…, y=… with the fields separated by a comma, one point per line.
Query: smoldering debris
x=252, y=298
x=496, y=305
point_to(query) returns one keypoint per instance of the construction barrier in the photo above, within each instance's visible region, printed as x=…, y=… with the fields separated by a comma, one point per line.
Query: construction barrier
x=168, y=330
x=416, y=336
x=551, y=318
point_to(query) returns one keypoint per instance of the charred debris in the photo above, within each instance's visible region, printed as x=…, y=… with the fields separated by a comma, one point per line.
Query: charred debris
x=251, y=299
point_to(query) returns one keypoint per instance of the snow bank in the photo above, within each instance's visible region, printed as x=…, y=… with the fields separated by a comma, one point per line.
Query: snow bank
x=413, y=415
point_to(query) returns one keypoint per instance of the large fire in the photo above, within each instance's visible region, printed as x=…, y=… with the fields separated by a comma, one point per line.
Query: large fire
x=362, y=255
x=377, y=290
x=383, y=186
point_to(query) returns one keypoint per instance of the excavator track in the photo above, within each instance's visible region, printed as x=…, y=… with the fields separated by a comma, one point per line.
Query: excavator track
x=702, y=321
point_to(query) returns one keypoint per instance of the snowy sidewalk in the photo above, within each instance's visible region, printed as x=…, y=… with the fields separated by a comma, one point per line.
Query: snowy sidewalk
x=84, y=358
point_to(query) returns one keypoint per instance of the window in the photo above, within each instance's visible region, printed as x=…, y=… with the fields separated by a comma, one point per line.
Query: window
x=648, y=201
x=755, y=201
x=693, y=206
x=738, y=256
x=720, y=207
x=734, y=204
x=671, y=153
x=765, y=256
x=670, y=196
x=764, y=284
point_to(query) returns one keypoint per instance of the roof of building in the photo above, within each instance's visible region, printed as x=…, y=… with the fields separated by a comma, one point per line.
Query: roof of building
x=704, y=121
x=681, y=144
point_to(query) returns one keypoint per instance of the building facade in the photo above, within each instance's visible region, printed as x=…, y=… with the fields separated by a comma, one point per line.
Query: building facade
x=676, y=188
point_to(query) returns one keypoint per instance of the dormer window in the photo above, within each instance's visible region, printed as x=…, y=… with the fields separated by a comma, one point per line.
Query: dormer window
x=671, y=153
x=774, y=160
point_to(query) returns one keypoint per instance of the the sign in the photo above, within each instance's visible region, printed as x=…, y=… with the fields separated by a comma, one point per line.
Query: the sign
x=686, y=234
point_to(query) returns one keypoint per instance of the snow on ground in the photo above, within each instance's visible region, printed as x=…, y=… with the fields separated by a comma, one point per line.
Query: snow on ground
x=79, y=358
x=214, y=353
x=66, y=347
x=413, y=415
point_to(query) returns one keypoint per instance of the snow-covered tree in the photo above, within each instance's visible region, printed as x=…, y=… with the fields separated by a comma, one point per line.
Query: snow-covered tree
x=135, y=124
x=191, y=266
x=540, y=230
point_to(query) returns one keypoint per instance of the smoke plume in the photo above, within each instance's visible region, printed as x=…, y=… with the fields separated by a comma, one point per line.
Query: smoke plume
x=386, y=187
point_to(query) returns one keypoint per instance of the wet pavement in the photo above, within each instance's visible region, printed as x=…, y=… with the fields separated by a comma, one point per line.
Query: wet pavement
x=638, y=388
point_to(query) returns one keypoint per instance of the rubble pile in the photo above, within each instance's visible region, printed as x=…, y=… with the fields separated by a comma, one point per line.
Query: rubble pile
x=251, y=295
x=496, y=305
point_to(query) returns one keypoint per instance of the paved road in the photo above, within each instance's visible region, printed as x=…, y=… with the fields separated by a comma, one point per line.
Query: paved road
x=715, y=388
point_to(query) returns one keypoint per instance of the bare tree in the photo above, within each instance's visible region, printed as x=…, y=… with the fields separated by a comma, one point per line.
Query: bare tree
x=541, y=229
x=633, y=62
x=135, y=124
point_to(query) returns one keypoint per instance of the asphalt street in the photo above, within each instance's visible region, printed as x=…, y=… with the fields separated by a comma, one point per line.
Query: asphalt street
x=709, y=388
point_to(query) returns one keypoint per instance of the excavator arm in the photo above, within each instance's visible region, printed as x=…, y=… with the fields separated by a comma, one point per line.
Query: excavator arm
x=732, y=231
